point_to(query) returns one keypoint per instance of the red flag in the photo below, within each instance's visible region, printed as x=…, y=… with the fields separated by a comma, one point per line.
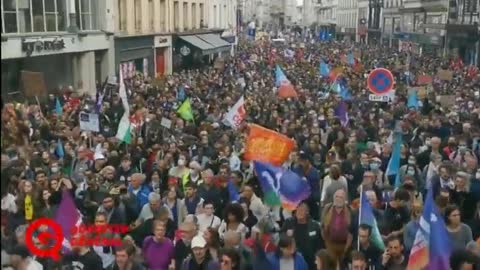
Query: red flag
x=286, y=90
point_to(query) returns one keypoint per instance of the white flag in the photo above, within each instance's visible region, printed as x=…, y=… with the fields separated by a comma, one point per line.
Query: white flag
x=236, y=114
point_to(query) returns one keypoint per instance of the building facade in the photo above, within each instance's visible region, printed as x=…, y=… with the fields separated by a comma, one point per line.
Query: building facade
x=156, y=37
x=327, y=15
x=69, y=43
x=347, y=20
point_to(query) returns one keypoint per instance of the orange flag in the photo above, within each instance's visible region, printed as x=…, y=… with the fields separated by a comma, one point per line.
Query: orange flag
x=286, y=90
x=267, y=145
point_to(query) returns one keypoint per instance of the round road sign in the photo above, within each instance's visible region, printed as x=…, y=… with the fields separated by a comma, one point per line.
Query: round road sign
x=380, y=81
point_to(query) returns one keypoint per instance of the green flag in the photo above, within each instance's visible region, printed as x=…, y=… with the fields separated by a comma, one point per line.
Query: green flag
x=185, y=110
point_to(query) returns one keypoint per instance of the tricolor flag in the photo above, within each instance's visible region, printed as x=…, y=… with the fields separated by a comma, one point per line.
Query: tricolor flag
x=432, y=248
x=280, y=186
x=124, y=132
x=236, y=114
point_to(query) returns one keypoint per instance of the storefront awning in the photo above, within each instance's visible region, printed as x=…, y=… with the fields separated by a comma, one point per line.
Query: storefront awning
x=207, y=43
x=215, y=40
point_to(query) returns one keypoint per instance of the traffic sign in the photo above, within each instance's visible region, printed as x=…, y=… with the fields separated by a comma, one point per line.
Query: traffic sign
x=380, y=81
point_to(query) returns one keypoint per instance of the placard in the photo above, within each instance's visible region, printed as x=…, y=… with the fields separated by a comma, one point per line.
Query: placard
x=33, y=83
x=166, y=123
x=424, y=79
x=89, y=122
x=445, y=75
x=447, y=100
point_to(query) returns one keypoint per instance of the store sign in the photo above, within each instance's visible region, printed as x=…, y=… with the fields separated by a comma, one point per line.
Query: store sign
x=185, y=50
x=42, y=45
x=163, y=41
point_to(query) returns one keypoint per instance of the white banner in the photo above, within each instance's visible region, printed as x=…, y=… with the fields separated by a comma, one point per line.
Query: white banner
x=89, y=122
x=236, y=115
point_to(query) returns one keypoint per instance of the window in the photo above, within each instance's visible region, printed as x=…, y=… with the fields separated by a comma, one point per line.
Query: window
x=85, y=16
x=9, y=17
x=387, y=25
x=408, y=23
x=151, y=11
x=185, y=16
x=122, y=15
x=23, y=16
x=194, y=16
x=138, y=14
x=176, y=15
x=201, y=14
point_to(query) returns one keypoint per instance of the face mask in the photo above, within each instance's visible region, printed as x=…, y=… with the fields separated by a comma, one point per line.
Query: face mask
x=411, y=172
x=374, y=166
x=54, y=169
x=462, y=148
x=181, y=162
x=411, y=162
x=428, y=143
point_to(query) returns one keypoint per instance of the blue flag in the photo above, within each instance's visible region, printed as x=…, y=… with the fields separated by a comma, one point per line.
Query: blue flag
x=344, y=91
x=324, y=69
x=279, y=76
x=350, y=59
x=432, y=248
x=412, y=99
x=59, y=150
x=58, y=107
x=394, y=163
x=181, y=93
x=367, y=217
x=233, y=192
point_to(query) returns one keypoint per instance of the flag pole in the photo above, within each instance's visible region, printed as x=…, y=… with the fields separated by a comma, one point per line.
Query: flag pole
x=359, y=215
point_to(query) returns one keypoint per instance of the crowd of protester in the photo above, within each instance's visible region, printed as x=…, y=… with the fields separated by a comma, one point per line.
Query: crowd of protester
x=169, y=185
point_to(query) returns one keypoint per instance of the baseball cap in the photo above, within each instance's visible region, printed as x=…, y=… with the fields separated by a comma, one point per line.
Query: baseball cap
x=198, y=242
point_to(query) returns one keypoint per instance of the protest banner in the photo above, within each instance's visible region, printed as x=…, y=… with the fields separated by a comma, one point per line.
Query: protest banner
x=267, y=145
x=445, y=75
x=89, y=122
x=33, y=83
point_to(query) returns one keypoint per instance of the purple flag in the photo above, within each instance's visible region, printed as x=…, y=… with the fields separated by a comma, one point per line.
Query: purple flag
x=341, y=113
x=67, y=215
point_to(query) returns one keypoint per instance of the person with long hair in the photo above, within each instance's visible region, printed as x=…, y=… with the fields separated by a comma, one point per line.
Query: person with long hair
x=460, y=233
x=324, y=261
x=213, y=242
x=232, y=220
x=27, y=201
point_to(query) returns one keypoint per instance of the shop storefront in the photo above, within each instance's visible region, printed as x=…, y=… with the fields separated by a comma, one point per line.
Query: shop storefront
x=62, y=60
x=420, y=43
x=135, y=54
x=163, y=55
x=196, y=50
